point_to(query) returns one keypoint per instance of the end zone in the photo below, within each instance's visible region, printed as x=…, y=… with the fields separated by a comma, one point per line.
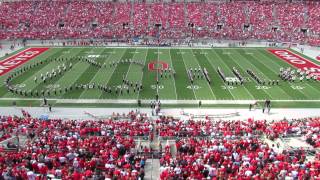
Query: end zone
x=14, y=61
x=297, y=61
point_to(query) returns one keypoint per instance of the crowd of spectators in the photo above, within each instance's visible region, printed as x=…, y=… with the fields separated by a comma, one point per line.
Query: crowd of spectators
x=242, y=158
x=235, y=149
x=296, y=22
x=72, y=149
x=106, y=149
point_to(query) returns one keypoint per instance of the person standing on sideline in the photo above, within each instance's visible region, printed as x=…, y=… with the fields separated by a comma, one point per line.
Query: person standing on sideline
x=50, y=108
x=268, y=105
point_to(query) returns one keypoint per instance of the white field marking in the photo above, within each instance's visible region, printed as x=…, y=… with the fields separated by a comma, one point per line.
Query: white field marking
x=158, y=52
x=123, y=85
x=262, y=87
x=181, y=52
x=295, y=87
x=111, y=52
x=95, y=74
x=232, y=79
x=174, y=81
x=194, y=87
x=144, y=63
x=273, y=69
x=185, y=67
x=214, y=96
x=66, y=52
x=244, y=71
x=130, y=101
x=214, y=68
x=248, y=79
x=113, y=69
x=228, y=87
x=53, y=86
x=38, y=72
x=228, y=53
x=134, y=52
x=249, y=53
x=262, y=54
x=93, y=56
x=22, y=85
x=155, y=86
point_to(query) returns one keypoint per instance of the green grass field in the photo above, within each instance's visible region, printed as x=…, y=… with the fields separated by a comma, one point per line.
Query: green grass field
x=263, y=63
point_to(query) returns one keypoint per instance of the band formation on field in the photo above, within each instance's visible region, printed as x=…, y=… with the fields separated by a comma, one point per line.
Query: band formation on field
x=155, y=73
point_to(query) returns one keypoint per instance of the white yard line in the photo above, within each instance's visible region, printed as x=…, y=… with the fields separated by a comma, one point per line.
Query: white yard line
x=129, y=101
x=128, y=71
x=173, y=78
x=245, y=71
x=92, y=80
x=197, y=61
x=185, y=67
x=113, y=69
x=215, y=69
x=291, y=66
x=144, y=63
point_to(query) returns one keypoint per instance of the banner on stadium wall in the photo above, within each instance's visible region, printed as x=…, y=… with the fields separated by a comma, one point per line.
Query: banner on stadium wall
x=297, y=61
x=14, y=61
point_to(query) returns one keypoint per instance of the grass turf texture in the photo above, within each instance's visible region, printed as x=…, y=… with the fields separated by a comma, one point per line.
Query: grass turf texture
x=263, y=63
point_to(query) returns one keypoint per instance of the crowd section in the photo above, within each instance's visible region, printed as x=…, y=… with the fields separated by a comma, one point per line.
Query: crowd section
x=106, y=149
x=235, y=150
x=72, y=149
x=243, y=158
x=236, y=20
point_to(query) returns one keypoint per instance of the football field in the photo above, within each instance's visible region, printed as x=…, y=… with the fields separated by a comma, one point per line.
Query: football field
x=98, y=73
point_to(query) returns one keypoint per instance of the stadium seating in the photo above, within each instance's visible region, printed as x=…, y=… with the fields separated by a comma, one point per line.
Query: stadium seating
x=41, y=20
x=106, y=148
x=232, y=149
x=75, y=149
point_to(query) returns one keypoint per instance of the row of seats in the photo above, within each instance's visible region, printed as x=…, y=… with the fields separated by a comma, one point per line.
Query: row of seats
x=244, y=158
x=235, y=149
x=268, y=21
x=309, y=128
x=73, y=149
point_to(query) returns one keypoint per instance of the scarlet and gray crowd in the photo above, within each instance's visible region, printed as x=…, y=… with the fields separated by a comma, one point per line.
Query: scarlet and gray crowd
x=105, y=149
x=237, y=20
x=233, y=150
x=75, y=149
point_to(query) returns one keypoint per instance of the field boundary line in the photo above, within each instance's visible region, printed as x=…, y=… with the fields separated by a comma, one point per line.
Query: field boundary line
x=133, y=101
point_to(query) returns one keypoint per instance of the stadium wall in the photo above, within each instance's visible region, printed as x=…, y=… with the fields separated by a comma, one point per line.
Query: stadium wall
x=8, y=46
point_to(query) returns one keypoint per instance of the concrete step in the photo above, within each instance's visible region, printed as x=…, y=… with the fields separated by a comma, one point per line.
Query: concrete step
x=152, y=169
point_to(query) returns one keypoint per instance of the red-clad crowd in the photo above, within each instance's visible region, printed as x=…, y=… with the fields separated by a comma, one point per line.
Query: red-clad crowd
x=233, y=149
x=245, y=158
x=170, y=127
x=205, y=149
x=296, y=22
x=71, y=149
x=309, y=128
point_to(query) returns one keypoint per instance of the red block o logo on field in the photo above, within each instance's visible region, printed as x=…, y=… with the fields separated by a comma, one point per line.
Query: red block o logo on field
x=157, y=65
x=318, y=58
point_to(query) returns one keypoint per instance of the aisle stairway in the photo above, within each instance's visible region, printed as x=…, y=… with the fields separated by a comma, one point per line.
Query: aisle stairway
x=152, y=169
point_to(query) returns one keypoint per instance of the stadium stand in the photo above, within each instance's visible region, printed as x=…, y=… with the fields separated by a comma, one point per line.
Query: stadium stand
x=197, y=147
x=286, y=22
x=111, y=148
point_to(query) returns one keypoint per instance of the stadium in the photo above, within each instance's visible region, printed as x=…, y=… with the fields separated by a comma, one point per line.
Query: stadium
x=162, y=89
